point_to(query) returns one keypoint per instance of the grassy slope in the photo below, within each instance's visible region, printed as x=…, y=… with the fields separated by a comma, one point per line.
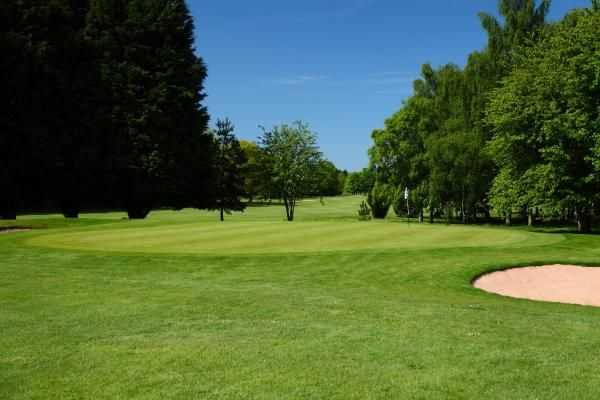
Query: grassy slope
x=400, y=321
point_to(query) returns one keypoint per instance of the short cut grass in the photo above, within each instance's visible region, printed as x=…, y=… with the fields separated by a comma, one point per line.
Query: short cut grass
x=182, y=306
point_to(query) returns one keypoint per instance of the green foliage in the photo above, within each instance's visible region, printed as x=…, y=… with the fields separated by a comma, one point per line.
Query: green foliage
x=342, y=178
x=359, y=182
x=545, y=118
x=364, y=212
x=506, y=194
x=291, y=157
x=328, y=179
x=436, y=143
x=380, y=200
x=254, y=171
x=523, y=20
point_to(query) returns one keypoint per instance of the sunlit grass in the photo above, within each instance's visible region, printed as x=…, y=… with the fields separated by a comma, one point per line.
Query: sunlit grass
x=182, y=306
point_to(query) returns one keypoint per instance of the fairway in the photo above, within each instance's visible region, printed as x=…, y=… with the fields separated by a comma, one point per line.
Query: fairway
x=183, y=306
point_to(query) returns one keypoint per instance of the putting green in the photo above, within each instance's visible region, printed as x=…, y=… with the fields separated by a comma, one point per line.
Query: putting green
x=283, y=237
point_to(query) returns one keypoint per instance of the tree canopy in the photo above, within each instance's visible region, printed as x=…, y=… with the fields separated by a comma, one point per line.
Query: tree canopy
x=515, y=129
x=292, y=157
x=546, y=117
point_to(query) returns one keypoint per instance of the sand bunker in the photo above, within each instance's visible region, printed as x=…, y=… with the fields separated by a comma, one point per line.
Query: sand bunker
x=556, y=283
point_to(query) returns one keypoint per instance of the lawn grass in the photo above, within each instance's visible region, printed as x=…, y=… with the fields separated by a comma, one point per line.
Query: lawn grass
x=182, y=306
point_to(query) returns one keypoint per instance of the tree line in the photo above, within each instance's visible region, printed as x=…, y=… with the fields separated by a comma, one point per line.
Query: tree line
x=102, y=108
x=513, y=132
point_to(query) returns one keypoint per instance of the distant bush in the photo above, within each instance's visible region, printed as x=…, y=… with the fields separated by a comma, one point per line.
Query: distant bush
x=364, y=212
x=380, y=200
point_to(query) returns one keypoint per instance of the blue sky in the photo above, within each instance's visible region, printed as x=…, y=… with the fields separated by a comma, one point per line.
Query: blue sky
x=343, y=66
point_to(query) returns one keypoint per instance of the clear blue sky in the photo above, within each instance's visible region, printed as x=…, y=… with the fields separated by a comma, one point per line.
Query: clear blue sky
x=343, y=66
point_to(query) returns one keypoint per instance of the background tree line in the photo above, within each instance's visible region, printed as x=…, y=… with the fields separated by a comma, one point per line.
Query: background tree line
x=102, y=109
x=514, y=131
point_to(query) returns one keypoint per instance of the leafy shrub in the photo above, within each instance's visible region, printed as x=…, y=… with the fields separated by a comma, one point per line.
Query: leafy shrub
x=380, y=200
x=364, y=212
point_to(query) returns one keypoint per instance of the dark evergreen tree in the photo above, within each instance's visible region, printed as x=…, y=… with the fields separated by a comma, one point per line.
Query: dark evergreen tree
x=15, y=65
x=230, y=162
x=158, y=141
x=48, y=124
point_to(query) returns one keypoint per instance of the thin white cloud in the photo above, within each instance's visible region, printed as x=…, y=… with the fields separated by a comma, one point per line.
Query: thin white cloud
x=353, y=8
x=391, y=81
x=337, y=9
x=390, y=78
x=298, y=80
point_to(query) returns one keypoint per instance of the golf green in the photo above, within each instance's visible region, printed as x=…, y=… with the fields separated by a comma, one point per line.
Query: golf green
x=284, y=237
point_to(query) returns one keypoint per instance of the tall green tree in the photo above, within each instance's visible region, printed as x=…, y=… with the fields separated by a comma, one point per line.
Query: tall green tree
x=435, y=145
x=546, y=117
x=256, y=179
x=292, y=157
x=230, y=162
x=159, y=145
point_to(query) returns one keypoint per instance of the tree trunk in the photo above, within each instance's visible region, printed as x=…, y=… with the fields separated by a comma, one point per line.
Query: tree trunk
x=462, y=209
x=421, y=216
x=508, y=218
x=9, y=214
x=222, y=214
x=8, y=208
x=529, y=217
x=137, y=212
x=8, y=202
x=584, y=220
x=289, y=209
x=70, y=201
x=488, y=216
x=431, y=215
x=71, y=213
x=70, y=208
x=292, y=209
